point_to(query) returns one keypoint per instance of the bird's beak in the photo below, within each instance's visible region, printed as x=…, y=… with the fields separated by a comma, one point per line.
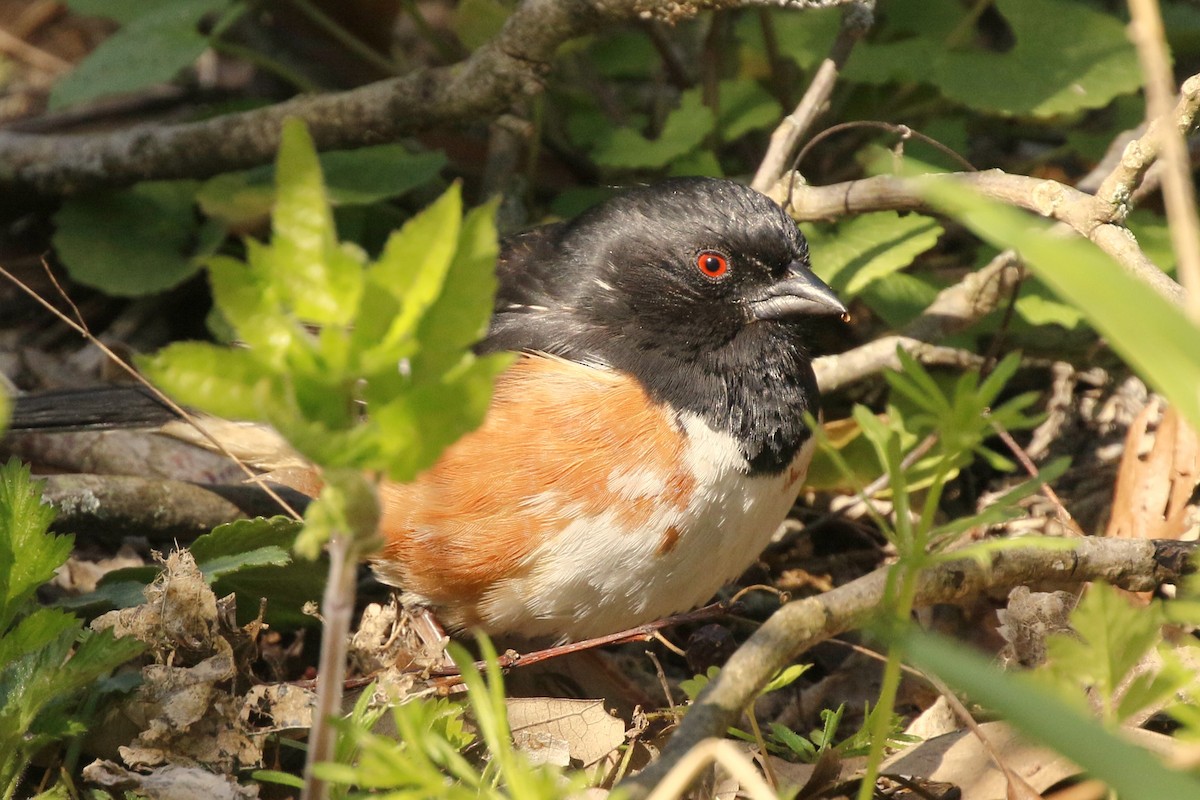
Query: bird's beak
x=799, y=293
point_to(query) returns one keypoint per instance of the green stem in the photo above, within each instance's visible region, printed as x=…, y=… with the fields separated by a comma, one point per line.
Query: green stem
x=337, y=606
x=902, y=588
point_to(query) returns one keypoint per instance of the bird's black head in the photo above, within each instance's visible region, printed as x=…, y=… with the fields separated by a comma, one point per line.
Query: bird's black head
x=690, y=265
x=695, y=286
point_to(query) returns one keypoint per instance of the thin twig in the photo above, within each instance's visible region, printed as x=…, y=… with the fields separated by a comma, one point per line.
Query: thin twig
x=857, y=19
x=183, y=413
x=1179, y=189
x=642, y=633
x=1064, y=516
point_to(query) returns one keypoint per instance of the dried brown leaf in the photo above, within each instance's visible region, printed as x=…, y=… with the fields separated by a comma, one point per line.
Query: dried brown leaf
x=548, y=728
x=169, y=783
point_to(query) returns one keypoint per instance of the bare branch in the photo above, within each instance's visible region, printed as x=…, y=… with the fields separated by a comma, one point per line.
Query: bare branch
x=1081, y=212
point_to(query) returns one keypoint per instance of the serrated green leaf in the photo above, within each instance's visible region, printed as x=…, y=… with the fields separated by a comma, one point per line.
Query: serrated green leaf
x=1113, y=637
x=286, y=589
x=460, y=316
x=684, y=130
x=228, y=383
x=320, y=280
x=28, y=554
x=129, y=242
x=1067, y=56
x=415, y=427
x=40, y=677
x=412, y=270
x=34, y=633
x=221, y=566
x=233, y=538
x=853, y=254
x=150, y=48
x=244, y=544
x=250, y=304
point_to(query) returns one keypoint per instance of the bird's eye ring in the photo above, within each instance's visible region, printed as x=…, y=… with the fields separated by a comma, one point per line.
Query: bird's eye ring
x=712, y=264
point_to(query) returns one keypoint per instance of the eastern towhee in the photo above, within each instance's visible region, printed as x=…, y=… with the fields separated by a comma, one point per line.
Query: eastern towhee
x=651, y=437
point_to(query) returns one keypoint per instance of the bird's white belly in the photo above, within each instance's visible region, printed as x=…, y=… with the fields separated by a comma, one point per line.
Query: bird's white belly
x=599, y=575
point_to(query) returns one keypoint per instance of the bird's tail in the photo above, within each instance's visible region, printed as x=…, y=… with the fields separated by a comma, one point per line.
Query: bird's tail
x=93, y=408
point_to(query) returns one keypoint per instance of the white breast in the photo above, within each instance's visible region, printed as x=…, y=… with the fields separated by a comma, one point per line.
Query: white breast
x=674, y=563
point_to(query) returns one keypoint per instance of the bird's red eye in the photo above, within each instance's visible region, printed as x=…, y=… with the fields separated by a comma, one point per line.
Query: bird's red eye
x=713, y=265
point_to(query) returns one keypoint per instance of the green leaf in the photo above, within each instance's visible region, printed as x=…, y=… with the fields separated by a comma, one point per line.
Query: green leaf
x=352, y=177
x=407, y=280
x=225, y=382
x=250, y=304
x=900, y=297
x=478, y=21
x=1129, y=770
x=460, y=316
x=745, y=106
x=129, y=242
x=1038, y=306
x=1148, y=331
x=415, y=427
x=28, y=554
x=684, y=130
x=1113, y=637
x=320, y=280
x=805, y=38
x=150, y=48
x=1067, y=57
x=35, y=633
x=853, y=254
x=237, y=538
x=122, y=11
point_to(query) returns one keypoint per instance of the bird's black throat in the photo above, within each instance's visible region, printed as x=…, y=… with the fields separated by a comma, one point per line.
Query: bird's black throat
x=757, y=388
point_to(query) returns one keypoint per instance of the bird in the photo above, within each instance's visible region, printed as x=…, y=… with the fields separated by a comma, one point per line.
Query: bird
x=651, y=434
